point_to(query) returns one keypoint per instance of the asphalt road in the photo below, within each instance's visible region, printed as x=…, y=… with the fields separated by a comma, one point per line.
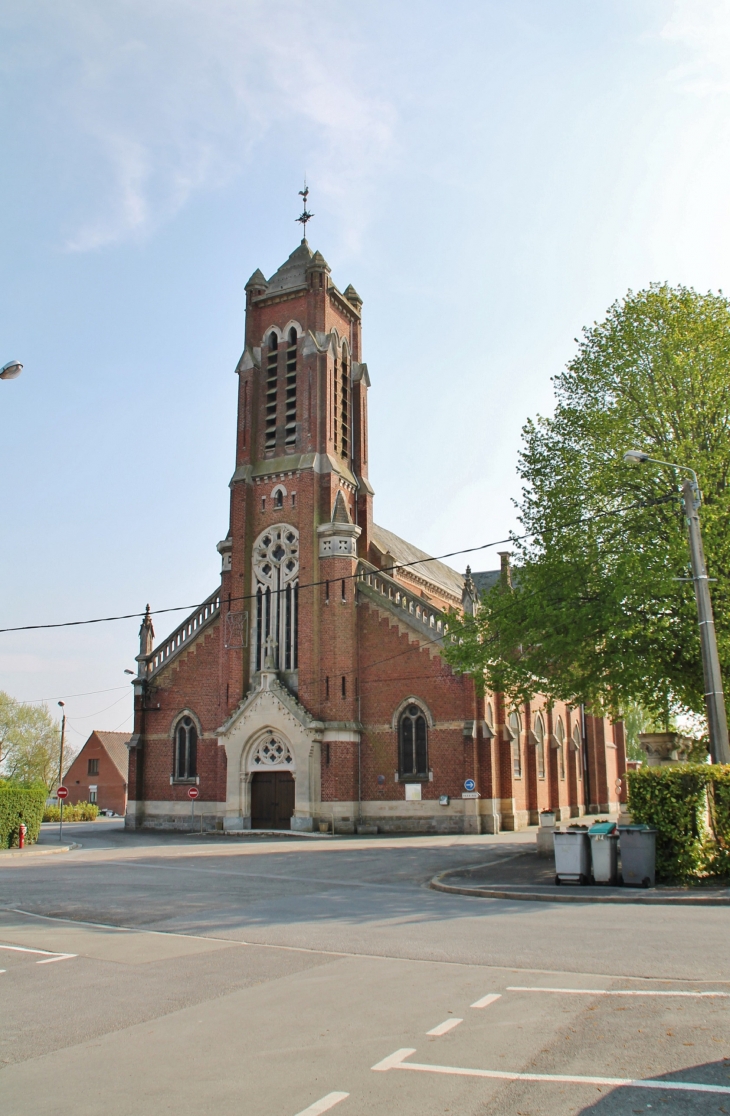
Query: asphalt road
x=151, y=973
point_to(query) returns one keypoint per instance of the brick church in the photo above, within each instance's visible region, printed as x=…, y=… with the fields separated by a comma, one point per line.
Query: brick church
x=309, y=690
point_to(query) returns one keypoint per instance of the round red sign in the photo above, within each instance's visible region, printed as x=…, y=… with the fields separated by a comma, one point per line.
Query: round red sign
x=62, y=792
x=193, y=792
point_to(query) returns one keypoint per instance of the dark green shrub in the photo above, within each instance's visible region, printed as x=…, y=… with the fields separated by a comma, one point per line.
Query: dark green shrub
x=718, y=802
x=18, y=804
x=672, y=801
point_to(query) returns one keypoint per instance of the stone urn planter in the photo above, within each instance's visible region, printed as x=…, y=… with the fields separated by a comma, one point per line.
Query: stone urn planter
x=664, y=748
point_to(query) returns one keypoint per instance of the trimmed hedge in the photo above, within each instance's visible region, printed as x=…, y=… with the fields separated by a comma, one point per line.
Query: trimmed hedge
x=676, y=801
x=80, y=811
x=20, y=804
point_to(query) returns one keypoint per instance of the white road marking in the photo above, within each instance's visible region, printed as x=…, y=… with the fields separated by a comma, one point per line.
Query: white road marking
x=611, y=992
x=48, y=958
x=323, y=1105
x=396, y=1061
x=487, y=1000
x=445, y=1027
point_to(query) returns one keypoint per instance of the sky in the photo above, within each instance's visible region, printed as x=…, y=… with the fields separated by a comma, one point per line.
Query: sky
x=490, y=176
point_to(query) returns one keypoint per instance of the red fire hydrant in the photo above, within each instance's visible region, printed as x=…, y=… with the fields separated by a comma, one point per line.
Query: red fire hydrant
x=21, y=835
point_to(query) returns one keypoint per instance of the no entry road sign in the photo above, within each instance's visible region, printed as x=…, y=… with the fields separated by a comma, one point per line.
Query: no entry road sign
x=62, y=793
x=193, y=792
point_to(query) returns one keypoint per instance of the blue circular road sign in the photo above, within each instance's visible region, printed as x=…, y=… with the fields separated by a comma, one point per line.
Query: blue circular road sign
x=469, y=784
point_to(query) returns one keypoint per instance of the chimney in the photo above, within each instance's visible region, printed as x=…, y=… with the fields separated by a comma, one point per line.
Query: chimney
x=505, y=573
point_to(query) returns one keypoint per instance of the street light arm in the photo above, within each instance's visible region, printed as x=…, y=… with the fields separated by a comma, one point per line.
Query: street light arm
x=638, y=457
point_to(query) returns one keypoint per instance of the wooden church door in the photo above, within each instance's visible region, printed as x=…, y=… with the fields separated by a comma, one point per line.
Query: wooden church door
x=272, y=800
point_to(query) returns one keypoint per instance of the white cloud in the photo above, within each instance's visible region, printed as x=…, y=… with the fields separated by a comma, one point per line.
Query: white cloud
x=703, y=28
x=174, y=98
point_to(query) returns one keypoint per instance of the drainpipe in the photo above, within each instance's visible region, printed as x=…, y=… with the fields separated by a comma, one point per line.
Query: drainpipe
x=586, y=771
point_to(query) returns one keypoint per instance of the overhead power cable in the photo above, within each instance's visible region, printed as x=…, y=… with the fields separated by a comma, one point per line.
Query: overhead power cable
x=348, y=577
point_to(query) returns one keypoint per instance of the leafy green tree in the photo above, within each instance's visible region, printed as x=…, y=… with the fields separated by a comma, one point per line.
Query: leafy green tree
x=599, y=611
x=29, y=742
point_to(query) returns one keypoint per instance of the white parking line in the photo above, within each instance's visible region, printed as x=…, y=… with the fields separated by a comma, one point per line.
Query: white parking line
x=487, y=1000
x=611, y=992
x=323, y=1105
x=48, y=956
x=396, y=1061
x=445, y=1027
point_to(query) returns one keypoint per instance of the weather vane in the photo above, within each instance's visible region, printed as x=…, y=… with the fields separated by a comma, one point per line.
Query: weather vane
x=305, y=215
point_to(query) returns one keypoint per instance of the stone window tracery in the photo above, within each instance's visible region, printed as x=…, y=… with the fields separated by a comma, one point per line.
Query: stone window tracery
x=276, y=581
x=272, y=752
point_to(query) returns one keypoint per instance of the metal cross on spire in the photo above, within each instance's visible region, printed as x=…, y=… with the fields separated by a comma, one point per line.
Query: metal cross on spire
x=305, y=215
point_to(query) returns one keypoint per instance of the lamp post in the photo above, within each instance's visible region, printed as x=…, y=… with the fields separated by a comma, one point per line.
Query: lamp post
x=10, y=370
x=60, y=764
x=714, y=696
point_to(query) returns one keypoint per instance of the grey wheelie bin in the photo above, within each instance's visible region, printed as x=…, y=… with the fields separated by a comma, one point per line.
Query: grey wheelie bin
x=604, y=852
x=638, y=855
x=572, y=856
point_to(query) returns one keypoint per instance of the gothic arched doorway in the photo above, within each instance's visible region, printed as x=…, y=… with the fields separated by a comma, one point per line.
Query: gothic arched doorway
x=272, y=800
x=272, y=783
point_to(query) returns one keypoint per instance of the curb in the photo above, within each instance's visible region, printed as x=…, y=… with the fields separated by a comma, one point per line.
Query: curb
x=284, y=833
x=34, y=850
x=640, y=897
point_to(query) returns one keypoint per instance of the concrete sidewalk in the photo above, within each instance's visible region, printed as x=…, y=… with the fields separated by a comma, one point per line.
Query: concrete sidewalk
x=38, y=850
x=530, y=878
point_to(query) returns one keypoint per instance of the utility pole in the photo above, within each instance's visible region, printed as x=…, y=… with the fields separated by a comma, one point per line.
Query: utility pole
x=714, y=696
x=60, y=764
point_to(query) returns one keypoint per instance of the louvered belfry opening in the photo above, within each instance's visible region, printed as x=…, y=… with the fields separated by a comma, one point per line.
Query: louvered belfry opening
x=272, y=377
x=290, y=435
x=344, y=407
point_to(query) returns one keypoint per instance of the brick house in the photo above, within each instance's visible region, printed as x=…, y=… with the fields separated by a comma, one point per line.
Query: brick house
x=100, y=772
x=310, y=686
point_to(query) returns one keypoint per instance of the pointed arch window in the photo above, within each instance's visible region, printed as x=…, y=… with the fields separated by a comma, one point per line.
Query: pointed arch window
x=290, y=429
x=186, y=749
x=560, y=737
x=276, y=585
x=272, y=386
x=578, y=749
x=412, y=744
x=515, y=727
x=539, y=733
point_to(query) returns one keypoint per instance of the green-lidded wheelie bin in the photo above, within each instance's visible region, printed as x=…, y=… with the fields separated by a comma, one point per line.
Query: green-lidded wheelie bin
x=604, y=852
x=638, y=855
x=572, y=856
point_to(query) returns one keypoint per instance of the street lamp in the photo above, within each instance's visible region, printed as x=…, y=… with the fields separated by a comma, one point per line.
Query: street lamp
x=714, y=696
x=10, y=370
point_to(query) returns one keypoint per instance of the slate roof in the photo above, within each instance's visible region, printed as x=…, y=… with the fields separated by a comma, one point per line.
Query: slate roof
x=485, y=580
x=436, y=572
x=115, y=744
x=292, y=273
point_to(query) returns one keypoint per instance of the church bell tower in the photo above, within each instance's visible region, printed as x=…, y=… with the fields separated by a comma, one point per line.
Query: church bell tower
x=301, y=503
